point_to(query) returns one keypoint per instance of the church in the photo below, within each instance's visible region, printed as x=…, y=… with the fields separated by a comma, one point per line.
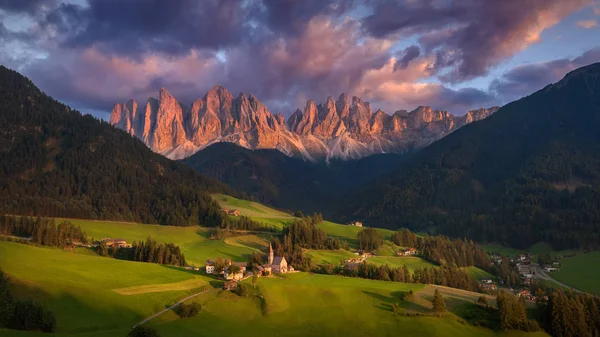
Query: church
x=276, y=264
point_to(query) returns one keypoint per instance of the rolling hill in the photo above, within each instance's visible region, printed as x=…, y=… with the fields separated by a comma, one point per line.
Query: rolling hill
x=526, y=174
x=56, y=162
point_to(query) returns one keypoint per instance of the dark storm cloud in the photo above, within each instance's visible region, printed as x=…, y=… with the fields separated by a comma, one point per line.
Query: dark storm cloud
x=410, y=54
x=532, y=77
x=139, y=26
x=475, y=35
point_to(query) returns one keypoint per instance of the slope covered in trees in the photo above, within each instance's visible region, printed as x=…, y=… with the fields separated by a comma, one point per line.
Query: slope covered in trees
x=529, y=173
x=56, y=162
x=271, y=177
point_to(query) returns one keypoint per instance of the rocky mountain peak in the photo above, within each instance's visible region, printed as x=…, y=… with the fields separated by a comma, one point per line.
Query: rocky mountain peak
x=342, y=128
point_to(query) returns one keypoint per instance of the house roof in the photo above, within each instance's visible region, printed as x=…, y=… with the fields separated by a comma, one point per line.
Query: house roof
x=277, y=260
x=210, y=262
x=240, y=264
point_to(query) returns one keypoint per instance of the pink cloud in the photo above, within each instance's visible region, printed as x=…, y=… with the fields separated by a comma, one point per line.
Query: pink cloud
x=587, y=24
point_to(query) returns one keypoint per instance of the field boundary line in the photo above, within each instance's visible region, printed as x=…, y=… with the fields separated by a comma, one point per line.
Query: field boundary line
x=171, y=307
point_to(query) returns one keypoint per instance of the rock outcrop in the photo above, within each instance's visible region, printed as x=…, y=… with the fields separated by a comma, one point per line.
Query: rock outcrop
x=344, y=129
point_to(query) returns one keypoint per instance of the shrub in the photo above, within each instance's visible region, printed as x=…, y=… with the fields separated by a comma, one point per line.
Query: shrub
x=189, y=310
x=241, y=290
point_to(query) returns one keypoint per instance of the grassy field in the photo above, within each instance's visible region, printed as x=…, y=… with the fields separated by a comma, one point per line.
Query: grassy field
x=101, y=297
x=329, y=256
x=254, y=210
x=92, y=293
x=580, y=272
x=479, y=274
x=411, y=262
x=349, y=233
x=193, y=241
x=321, y=305
x=538, y=248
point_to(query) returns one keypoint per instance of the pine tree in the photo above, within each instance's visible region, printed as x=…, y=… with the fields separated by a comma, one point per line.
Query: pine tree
x=439, y=304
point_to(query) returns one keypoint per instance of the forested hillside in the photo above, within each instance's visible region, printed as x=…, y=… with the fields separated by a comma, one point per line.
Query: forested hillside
x=271, y=177
x=529, y=173
x=56, y=162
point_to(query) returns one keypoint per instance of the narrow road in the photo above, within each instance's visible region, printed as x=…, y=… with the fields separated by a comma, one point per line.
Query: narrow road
x=171, y=307
x=540, y=273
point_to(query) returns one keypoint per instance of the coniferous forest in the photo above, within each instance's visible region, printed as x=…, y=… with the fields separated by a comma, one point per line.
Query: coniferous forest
x=529, y=173
x=55, y=162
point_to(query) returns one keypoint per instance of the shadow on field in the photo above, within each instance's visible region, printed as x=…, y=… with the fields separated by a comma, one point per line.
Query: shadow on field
x=387, y=301
x=75, y=316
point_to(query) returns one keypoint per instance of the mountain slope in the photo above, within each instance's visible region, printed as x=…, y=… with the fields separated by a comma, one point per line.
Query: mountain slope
x=529, y=173
x=342, y=129
x=56, y=162
x=271, y=177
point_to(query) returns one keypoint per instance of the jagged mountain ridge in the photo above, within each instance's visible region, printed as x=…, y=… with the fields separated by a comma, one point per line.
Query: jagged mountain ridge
x=341, y=129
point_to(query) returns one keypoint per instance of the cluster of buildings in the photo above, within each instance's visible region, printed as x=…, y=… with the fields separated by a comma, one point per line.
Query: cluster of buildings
x=488, y=285
x=274, y=265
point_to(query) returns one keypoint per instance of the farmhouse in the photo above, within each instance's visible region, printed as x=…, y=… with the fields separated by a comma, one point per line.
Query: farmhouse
x=550, y=269
x=210, y=266
x=233, y=212
x=408, y=252
x=355, y=224
x=120, y=243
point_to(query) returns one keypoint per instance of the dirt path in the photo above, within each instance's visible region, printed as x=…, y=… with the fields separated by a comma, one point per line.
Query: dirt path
x=171, y=307
x=540, y=273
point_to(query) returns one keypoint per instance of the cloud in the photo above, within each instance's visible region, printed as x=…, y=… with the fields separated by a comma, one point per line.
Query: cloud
x=532, y=77
x=410, y=54
x=587, y=24
x=135, y=27
x=470, y=36
x=95, y=53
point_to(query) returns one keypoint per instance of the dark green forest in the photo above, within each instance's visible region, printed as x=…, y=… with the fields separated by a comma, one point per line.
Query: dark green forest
x=528, y=173
x=55, y=162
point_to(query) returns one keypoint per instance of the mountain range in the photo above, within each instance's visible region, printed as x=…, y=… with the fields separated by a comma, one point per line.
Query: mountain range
x=345, y=128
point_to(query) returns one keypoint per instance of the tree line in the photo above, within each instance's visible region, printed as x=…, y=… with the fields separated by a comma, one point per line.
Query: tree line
x=445, y=276
x=146, y=251
x=568, y=314
x=443, y=251
x=43, y=231
x=23, y=315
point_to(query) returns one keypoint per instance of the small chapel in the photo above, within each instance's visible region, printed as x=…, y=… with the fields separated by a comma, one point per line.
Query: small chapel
x=276, y=264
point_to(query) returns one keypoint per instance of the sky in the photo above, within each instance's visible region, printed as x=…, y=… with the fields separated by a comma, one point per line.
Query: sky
x=453, y=55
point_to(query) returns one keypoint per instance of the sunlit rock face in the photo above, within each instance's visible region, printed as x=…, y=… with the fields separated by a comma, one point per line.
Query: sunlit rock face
x=345, y=128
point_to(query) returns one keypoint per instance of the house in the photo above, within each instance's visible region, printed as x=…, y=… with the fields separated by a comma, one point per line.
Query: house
x=488, y=287
x=233, y=212
x=550, y=269
x=556, y=263
x=355, y=224
x=119, y=243
x=210, y=266
x=230, y=285
x=408, y=252
x=487, y=281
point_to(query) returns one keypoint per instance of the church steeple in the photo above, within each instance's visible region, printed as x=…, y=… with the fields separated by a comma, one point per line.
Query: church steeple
x=270, y=254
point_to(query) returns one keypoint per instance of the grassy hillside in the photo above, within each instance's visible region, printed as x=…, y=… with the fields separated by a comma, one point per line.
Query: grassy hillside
x=348, y=233
x=193, y=241
x=580, y=272
x=254, y=210
x=89, y=293
x=411, y=262
x=95, y=296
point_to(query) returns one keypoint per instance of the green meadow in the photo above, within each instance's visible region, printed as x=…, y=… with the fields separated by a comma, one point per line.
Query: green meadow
x=97, y=296
x=92, y=293
x=255, y=211
x=349, y=233
x=581, y=272
x=193, y=241
x=411, y=262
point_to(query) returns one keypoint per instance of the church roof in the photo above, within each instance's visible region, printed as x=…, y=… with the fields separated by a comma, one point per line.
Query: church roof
x=277, y=260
